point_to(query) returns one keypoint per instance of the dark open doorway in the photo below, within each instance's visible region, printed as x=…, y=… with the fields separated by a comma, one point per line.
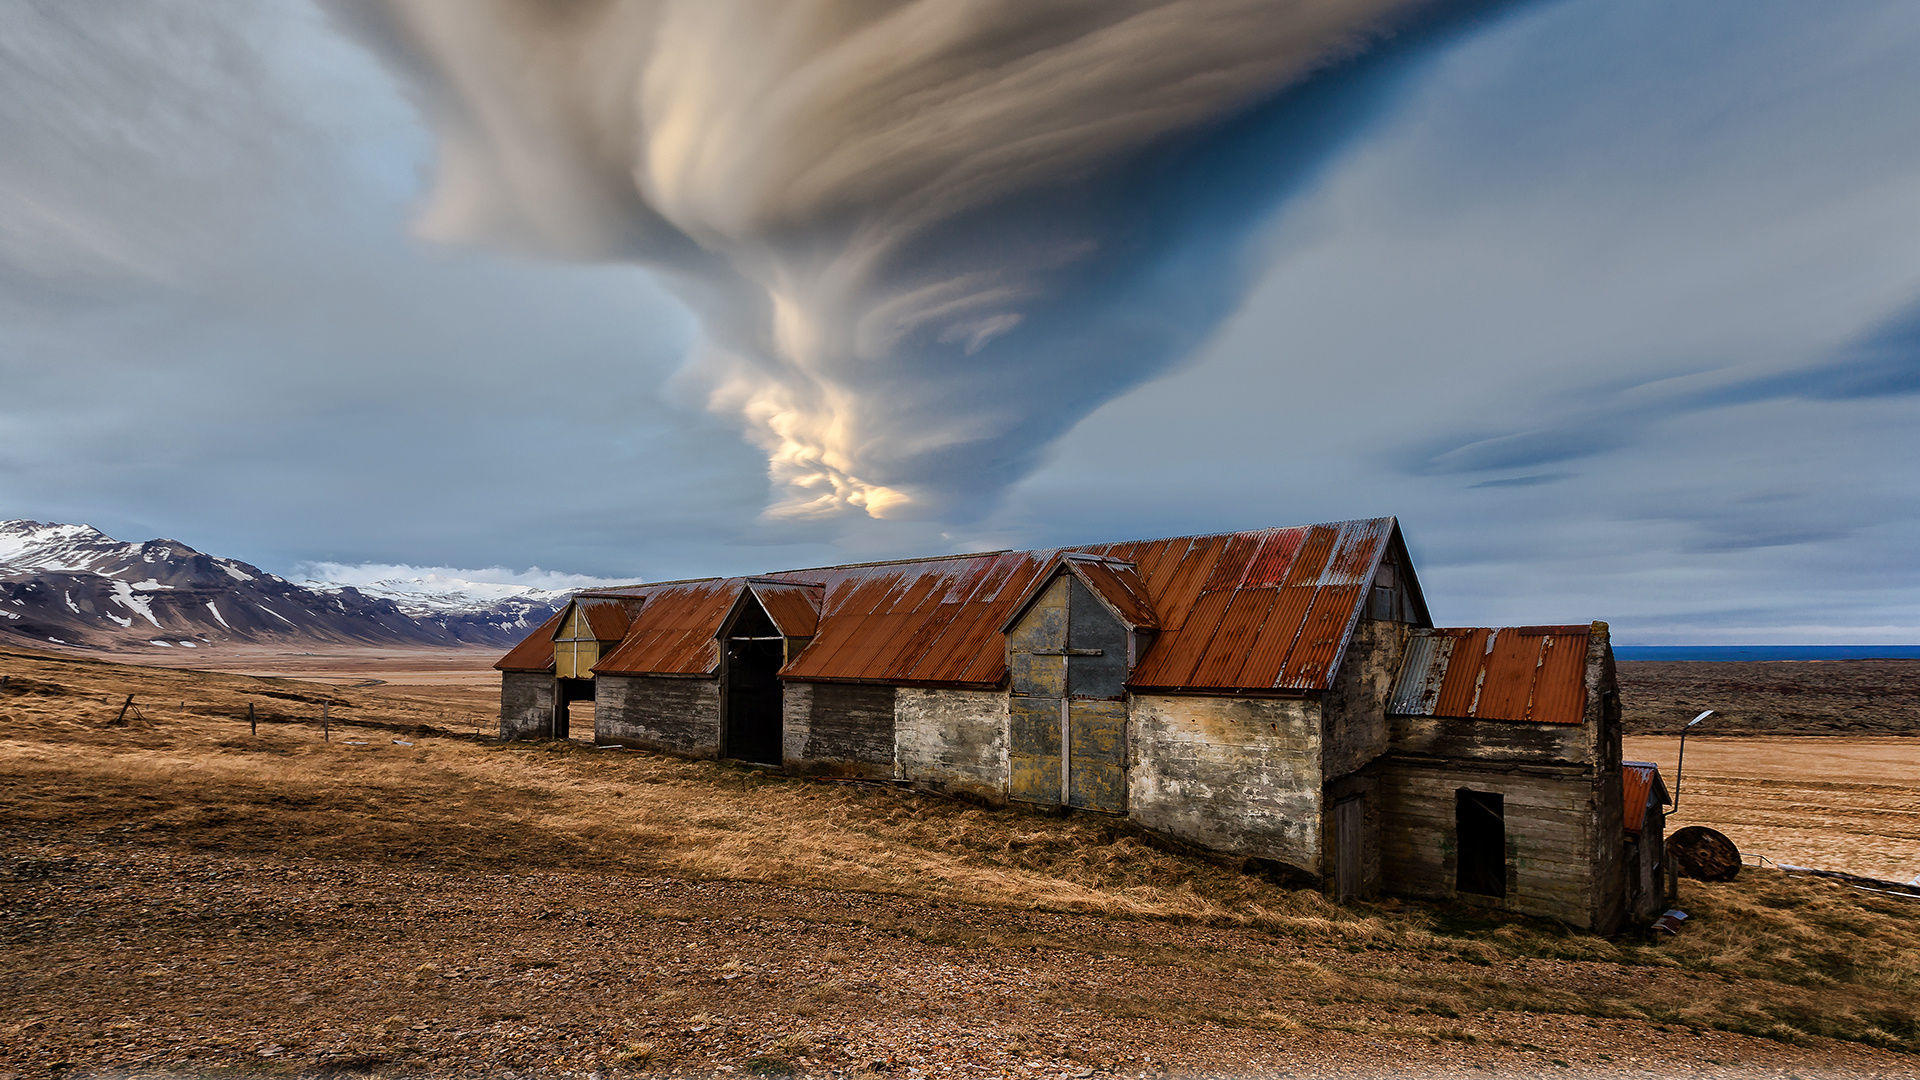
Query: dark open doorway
x=755, y=653
x=1480, y=824
x=566, y=694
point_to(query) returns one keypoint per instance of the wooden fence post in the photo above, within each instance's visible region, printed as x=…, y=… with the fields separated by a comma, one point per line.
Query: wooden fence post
x=326, y=726
x=253, y=725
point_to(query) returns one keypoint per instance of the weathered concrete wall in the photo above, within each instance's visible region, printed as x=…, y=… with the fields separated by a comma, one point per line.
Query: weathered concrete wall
x=952, y=740
x=838, y=729
x=1550, y=835
x=1236, y=775
x=681, y=716
x=1354, y=724
x=526, y=704
x=1603, y=729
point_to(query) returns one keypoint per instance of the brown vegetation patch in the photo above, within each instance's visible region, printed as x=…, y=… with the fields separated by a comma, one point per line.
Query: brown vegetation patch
x=183, y=896
x=1783, y=697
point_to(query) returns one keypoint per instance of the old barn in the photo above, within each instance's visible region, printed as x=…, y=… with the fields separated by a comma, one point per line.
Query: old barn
x=1280, y=694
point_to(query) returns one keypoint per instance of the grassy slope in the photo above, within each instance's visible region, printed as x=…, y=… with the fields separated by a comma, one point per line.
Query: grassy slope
x=1785, y=958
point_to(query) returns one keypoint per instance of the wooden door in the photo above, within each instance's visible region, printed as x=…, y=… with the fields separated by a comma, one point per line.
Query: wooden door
x=1349, y=847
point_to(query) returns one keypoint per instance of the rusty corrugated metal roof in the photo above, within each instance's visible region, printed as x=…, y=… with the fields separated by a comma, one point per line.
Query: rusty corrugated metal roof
x=672, y=633
x=535, y=651
x=1267, y=610
x=1116, y=583
x=609, y=619
x=1528, y=673
x=793, y=607
x=1641, y=786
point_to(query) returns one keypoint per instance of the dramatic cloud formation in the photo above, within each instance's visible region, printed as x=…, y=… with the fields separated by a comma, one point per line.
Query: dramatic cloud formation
x=924, y=237
x=1616, y=303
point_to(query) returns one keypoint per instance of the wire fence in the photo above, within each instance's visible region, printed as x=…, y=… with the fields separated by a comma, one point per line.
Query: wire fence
x=279, y=710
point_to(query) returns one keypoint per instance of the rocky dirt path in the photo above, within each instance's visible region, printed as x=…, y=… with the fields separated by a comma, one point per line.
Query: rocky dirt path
x=125, y=958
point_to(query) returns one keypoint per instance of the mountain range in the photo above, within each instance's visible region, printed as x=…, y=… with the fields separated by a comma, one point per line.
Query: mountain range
x=74, y=585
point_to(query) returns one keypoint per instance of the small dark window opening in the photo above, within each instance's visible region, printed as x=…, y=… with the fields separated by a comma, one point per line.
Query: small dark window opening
x=1480, y=826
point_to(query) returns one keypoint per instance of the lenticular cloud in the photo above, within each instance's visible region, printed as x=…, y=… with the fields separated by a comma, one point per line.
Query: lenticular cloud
x=923, y=237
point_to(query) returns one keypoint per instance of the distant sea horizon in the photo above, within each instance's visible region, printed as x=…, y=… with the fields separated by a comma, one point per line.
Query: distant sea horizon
x=1766, y=652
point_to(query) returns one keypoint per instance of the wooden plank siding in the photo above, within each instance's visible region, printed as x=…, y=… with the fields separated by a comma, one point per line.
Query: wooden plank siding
x=678, y=715
x=838, y=729
x=1550, y=826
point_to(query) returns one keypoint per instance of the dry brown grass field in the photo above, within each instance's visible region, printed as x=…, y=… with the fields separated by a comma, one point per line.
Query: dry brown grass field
x=1777, y=697
x=408, y=897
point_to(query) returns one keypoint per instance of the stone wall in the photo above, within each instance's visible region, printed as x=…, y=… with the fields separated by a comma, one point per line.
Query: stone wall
x=952, y=740
x=1354, y=724
x=1240, y=775
x=838, y=729
x=678, y=715
x=526, y=704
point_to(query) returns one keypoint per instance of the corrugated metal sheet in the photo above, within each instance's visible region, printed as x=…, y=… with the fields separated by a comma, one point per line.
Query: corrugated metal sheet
x=1266, y=610
x=1115, y=582
x=1118, y=584
x=1642, y=786
x=535, y=651
x=1527, y=673
x=794, y=608
x=673, y=632
x=1243, y=612
x=609, y=619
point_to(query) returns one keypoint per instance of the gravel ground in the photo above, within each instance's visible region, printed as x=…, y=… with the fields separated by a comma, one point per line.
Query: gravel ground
x=126, y=959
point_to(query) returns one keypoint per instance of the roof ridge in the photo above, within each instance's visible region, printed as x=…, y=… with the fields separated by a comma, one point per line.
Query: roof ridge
x=1056, y=550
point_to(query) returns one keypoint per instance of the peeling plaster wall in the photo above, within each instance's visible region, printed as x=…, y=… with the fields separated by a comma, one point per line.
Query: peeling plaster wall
x=1235, y=774
x=681, y=716
x=952, y=740
x=1355, y=722
x=526, y=704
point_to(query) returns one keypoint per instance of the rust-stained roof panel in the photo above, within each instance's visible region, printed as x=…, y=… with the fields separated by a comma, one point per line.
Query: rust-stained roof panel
x=1641, y=786
x=609, y=619
x=673, y=632
x=1520, y=673
x=1118, y=584
x=794, y=608
x=1266, y=610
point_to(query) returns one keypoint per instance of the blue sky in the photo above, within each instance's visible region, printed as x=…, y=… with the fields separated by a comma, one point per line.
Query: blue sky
x=1616, y=304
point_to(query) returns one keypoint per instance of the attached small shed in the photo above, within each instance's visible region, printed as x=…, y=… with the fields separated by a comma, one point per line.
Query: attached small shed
x=1279, y=694
x=1502, y=787
x=1651, y=883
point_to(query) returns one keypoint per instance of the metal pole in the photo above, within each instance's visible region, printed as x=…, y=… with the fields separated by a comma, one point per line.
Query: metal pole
x=1680, y=767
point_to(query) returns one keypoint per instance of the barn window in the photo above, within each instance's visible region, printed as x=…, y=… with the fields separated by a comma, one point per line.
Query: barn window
x=1480, y=829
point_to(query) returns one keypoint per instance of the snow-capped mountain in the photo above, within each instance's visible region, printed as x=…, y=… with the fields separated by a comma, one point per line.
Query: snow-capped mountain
x=432, y=594
x=75, y=585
